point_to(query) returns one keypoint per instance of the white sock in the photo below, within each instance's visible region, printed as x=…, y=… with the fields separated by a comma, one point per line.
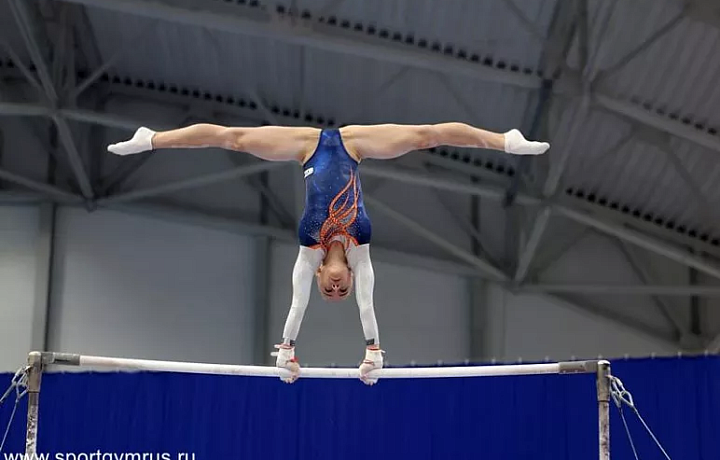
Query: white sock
x=140, y=142
x=516, y=144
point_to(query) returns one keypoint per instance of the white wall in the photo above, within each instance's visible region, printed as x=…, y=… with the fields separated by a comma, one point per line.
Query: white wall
x=598, y=260
x=18, y=235
x=535, y=327
x=422, y=316
x=135, y=286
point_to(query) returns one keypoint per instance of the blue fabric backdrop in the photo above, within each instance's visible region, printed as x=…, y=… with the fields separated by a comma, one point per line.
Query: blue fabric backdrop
x=539, y=417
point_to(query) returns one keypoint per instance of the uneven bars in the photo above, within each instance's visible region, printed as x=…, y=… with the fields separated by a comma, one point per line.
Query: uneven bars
x=38, y=360
x=67, y=359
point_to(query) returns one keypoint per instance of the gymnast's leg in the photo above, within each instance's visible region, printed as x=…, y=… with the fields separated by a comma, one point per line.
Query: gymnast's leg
x=270, y=143
x=389, y=141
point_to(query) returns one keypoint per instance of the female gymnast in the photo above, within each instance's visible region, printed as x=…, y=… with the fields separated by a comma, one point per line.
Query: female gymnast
x=334, y=231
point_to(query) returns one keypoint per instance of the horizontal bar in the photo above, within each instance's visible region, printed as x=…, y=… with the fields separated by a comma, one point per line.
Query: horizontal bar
x=664, y=290
x=317, y=372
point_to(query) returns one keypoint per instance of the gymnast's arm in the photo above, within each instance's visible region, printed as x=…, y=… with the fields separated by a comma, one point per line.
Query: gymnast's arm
x=359, y=261
x=272, y=143
x=306, y=265
x=391, y=141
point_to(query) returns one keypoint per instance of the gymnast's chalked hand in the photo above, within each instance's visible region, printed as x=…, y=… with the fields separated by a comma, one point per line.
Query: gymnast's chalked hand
x=373, y=360
x=516, y=144
x=140, y=142
x=286, y=359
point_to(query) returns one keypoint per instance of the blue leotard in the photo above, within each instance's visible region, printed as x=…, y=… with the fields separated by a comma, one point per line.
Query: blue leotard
x=334, y=205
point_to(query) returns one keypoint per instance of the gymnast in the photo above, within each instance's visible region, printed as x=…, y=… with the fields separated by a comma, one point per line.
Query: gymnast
x=334, y=231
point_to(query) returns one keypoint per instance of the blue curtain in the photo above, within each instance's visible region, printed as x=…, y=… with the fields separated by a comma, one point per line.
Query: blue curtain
x=213, y=417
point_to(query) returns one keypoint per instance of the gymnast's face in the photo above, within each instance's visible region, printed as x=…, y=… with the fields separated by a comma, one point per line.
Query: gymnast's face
x=334, y=280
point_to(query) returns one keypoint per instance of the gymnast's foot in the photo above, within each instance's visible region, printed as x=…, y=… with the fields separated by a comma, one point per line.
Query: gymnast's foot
x=516, y=144
x=373, y=360
x=286, y=359
x=140, y=142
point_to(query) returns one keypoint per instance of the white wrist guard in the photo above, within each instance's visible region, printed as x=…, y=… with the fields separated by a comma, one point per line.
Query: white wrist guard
x=374, y=357
x=286, y=359
x=284, y=355
x=373, y=360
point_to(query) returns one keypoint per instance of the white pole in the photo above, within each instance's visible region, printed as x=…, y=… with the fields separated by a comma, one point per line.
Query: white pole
x=310, y=372
x=34, y=378
x=603, y=395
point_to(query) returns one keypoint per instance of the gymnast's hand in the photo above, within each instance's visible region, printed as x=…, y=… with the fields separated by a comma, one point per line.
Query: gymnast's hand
x=373, y=360
x=286, y=359
x=140, y=142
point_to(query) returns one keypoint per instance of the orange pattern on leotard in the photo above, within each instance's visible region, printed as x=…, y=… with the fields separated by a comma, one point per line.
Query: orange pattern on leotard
x=342, y=212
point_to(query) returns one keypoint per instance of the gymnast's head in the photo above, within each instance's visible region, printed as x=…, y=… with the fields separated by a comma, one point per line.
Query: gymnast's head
x=334, y=279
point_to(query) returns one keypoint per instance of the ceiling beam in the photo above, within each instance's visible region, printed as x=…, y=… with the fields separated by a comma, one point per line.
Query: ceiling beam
x=28, y=27
x=255, y=116
x=662, y=123
x=587, y=307
x=251, y=21
x=15, y=109
x=644, y=241
x=47, y=190
x=11, y=197
x=493, y=273
x=188, y=184
x=187, y=215
x=614, y=289
x=643, y=272
x=235, y=18
x=265, y=23
x=627, y=220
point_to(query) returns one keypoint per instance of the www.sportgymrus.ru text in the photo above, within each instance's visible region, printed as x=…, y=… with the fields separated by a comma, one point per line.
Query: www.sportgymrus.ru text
x=98, y=455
